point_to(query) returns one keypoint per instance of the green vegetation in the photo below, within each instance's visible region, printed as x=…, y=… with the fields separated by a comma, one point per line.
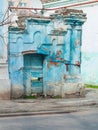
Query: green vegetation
x=91, y=86
x=30, y=97
x=37, y=97
x=57, y=97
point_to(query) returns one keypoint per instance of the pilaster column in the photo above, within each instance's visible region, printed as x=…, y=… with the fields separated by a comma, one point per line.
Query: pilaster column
x=67, y=43
x=75, y=50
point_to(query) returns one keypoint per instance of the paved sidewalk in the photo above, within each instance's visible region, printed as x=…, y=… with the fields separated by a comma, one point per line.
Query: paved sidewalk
x=48, y=106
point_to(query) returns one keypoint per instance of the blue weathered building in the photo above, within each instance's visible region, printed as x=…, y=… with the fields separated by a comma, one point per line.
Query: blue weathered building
x=45, y=54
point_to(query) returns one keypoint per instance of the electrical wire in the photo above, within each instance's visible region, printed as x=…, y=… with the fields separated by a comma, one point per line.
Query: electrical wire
x=67, y=6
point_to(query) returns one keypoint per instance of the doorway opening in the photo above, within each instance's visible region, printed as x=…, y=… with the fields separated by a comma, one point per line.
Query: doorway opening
x=33, y=73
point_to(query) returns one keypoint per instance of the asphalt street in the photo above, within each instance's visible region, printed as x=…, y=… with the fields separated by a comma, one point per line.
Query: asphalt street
x=84, y=120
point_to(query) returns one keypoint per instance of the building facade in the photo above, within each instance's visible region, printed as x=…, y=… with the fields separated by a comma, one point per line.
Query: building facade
x=2, y=28
x=4, y=77
x=45, y=55
x=89, y=36
x=90, y=45
x=17, y=3
x=67, y=3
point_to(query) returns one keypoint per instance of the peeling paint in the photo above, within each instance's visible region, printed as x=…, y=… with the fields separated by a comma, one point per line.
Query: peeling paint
x=78, y=63
x=64, y=76
x=51, y=63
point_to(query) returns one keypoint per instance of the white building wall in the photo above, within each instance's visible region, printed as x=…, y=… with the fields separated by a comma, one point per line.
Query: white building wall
x=3, y=31
x=90, y=45
x=5, y=89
